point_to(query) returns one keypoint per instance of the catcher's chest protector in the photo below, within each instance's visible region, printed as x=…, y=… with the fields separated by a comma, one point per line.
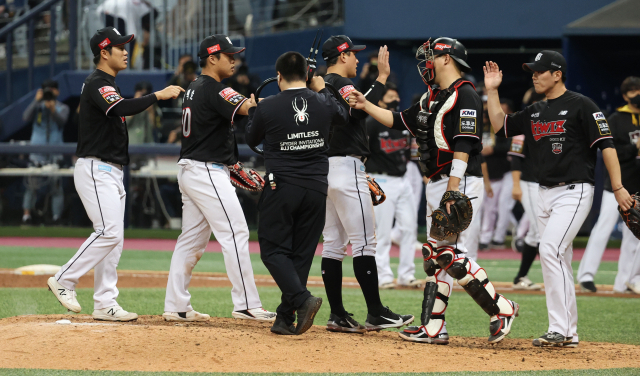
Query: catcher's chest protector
x=438, y=142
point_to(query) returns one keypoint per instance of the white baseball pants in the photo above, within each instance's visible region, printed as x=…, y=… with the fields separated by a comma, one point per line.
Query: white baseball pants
x=399, y=205
x=496, y=213
x=562, y=212
x=101, y=189
x=414, y=178
x=530, y=195
x=629, y=261
x=210, y=203
x=350, y=216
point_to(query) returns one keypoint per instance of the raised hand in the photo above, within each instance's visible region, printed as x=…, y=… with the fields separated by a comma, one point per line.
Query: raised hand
x=492, y=75
x=357, y=100
x=169, y=92
x=384, y=69
x=317, y=83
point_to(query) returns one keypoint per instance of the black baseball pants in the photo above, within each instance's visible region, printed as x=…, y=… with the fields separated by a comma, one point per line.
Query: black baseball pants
x=290, y=225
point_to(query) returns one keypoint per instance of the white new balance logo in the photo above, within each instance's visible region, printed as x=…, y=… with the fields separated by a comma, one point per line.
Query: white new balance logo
x=563, y=112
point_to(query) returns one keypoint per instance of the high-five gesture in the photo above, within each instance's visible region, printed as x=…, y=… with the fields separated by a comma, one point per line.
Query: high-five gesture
x=384, y=69
x=357, y=100
x=492, y=75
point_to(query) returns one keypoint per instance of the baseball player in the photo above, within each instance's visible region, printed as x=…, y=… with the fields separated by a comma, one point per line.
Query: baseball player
x=562, y=133
x=209, y=200
x=447, y=123
x=102, y=152
x=387, y=164
x=625, y=129
x=294, y=126
x=350, y=216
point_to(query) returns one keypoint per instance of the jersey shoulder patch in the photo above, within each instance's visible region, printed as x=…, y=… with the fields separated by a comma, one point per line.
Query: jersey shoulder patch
x=231, y=95
x=109, y=94
x=517, y=144
x=468, y=121
x=345, y=91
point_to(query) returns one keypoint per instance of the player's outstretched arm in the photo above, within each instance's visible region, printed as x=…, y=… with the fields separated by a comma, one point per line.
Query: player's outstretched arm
x=169, y=92
x=133, y=106
x=246, y=105
x=384, y=69
x=610, y=158
x=358, y=101
x=492, y=80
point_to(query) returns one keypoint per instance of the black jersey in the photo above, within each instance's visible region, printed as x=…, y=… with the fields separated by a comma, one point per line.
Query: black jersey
x=352, y=139
x=561, y=134
x=455, y=122
x=295, y=125
x=522, y=160
x=389, y=149
x=625, y=129
x=101, y=135
x=497, y=162
x=208, y=112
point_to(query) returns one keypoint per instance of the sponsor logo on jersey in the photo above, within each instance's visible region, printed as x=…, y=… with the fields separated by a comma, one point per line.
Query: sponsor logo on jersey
x=213, y=49
x=441, y=46
x=517, y=144
x=345, y=91
x=109, y=94
x=537, y=114
x=391, y=146
x=543, y=129
x=468, y=125
x=343, y=46
x=603, y=127
x=104, y=168
x=468, y=113
x=301, y=116
x=556, y=148
x=104, y=43
x=106, y=89
x=231, y=95
x=563, y=112
x=598, y=116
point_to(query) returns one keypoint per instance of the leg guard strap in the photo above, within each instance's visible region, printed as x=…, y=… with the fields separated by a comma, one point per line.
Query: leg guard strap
x=434, y=305
x=480, y=295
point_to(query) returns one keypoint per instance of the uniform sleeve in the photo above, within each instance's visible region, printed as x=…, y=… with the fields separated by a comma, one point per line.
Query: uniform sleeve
x=406, y=120
x=468, y=113
x=227, y=101
x=340, y=113
x=514, y=124
x=102, y=94
x=255, y=129
x=345, y=87
x=517, y=152
x=594, y=122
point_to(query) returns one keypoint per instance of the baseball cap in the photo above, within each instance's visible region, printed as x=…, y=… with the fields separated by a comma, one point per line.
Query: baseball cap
x=109, y=36
x=217, y=43
x=546, y=60
x=338, y=44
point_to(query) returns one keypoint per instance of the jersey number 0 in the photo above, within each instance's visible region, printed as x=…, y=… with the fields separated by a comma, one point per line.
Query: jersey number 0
x=186, y=122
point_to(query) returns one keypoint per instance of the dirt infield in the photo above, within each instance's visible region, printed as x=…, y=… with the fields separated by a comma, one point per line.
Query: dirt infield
x=148, y=279
x=227, y=345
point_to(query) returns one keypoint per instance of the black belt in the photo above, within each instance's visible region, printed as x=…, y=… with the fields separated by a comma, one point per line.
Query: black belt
x=564, y=184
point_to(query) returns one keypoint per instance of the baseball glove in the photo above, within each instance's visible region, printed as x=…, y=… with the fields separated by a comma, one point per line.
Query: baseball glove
x=444, y=225
x=631, y=217
x=245, y=178
x=375, y=191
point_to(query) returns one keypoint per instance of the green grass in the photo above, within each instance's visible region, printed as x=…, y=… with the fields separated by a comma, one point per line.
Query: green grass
x=498, y=270
x=464, y=317
x=40, y=372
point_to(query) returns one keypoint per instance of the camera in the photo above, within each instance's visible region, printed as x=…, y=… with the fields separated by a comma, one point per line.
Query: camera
x=48, y=95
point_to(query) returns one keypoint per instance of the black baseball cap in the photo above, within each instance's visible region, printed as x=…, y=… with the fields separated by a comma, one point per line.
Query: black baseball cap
x=109, y=36
x=547, y=60
x=338, y=44
x=217, y=43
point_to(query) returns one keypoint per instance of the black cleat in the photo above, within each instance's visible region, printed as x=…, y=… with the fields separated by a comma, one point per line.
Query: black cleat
x=344, y=324
x=501, y=326
x=419, y=334
x=552, y=339
x=307, y=313
x=387, y=319
x=483, y=247
x=281, y=327
x=588, y=286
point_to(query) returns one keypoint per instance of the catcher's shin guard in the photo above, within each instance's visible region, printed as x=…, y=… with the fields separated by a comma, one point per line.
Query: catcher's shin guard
x=436, y=299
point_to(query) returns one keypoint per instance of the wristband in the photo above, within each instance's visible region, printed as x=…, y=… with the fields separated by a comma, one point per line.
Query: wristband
x=458, y=168
x=615, y=190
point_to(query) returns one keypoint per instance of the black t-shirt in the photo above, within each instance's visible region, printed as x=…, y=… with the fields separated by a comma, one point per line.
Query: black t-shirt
x=99, y=134
x=352, y=139
x=208, y=112
x=389, y=149
x=521, y=159
x=458, y=129
x=497, y=162
x=625, y=135
x=295, y=126
x=561, y=134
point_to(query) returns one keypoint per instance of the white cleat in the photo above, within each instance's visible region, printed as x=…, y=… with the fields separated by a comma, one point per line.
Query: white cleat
x=115, y=313
x=634, y=287
x=65, y=296
x=185, y=316
x=525, y=283
x=387, y=286
x=259, y=314
x=413, y=283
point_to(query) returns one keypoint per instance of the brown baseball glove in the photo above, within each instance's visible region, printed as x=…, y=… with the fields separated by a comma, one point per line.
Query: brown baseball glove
x=245, y=178
x=377, y=194
x=445, y=225
x=631, y=217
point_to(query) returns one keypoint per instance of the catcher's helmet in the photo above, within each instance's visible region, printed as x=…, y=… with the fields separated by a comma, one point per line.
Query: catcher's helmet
x=442, y=45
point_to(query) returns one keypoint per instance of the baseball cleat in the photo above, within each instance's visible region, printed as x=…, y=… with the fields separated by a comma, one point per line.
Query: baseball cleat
x=307, y=313
x=413, y=283
x=344, y=324
x=387, y=319
x=635, y=287
x=387, y=286
x=588, y=286
x=115, y=313
x=281, y=327
x=185, y=316
x=517, y=245
x=525, y=283
x=553, y=339
x=501, y=325
x=259, y=314
x=572, y=345
x=419, y=334
x=65, y=296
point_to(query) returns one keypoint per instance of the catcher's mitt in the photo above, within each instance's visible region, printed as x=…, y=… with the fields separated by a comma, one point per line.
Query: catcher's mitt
x=375, y=191
x=631, y=217
x=444, y=225
x=245, y=178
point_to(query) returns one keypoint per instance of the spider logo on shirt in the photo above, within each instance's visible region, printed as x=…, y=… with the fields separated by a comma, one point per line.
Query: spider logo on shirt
x=301, y=115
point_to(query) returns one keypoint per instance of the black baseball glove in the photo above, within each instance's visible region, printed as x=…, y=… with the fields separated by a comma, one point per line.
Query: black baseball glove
x=445, y=225
x=631, y=217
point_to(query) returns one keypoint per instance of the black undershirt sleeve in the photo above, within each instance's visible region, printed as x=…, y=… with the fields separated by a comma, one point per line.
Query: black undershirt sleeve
x=133, y=106
x=605, y=143
x=465, y=145
x=516, y=163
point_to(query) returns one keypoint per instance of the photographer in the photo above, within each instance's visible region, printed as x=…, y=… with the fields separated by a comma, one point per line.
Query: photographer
x=48, y=117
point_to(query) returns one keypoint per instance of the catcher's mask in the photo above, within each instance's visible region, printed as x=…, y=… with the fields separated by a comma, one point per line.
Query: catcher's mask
x=425, y=66
x=429, y=50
